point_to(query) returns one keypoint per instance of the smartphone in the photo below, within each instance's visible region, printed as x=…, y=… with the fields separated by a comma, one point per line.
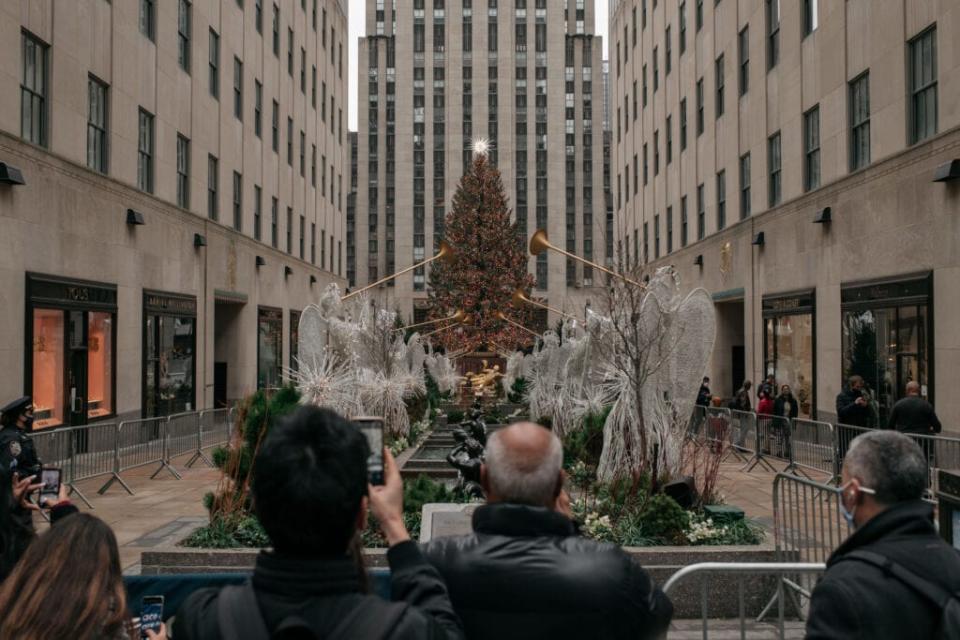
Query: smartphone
x=372, y=428
x=151, y=615
x=50, y=490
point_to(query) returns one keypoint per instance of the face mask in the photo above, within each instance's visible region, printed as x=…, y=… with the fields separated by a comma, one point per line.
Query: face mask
x=849, y=515
x=27, y=422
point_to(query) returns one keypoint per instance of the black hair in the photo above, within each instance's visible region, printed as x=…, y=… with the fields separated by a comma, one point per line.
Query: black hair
x=309, y=478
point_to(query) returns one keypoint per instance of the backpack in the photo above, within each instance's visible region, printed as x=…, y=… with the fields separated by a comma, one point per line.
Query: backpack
x=239, y=618
x=949, y=603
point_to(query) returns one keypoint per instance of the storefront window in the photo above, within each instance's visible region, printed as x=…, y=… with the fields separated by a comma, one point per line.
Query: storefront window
x=99, y=365
x=169, y=353
x=48, y=369
x=294, y=340
x=885, y=336
x=269, y=348
x=789, y=346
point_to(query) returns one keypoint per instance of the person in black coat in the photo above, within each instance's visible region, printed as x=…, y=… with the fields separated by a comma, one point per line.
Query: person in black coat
x=525, y=573
x=17, y=452
x=883, y=479
x=852, y=405
x=309, y=486
x=786, y=409
x=913, y=414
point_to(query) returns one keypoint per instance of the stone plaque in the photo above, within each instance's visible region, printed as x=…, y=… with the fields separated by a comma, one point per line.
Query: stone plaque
x=444, y=519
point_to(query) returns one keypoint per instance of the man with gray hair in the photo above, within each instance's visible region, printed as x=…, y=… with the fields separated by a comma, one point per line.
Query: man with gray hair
x=525, y=573
x=893, y=577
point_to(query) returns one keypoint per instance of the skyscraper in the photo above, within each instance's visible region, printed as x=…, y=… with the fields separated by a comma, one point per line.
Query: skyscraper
x=436, y=74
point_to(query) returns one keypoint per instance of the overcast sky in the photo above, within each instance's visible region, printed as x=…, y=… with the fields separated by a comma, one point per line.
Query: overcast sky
x=357, y=19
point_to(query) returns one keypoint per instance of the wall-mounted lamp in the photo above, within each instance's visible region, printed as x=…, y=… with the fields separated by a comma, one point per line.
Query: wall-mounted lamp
x=698, y=260
x=947, y=172
x=10, y=174
x=260, y=261
x=313, y=280
x=824, y=216
x=199, y=240
x=287, y=272
x=135, y=218
x=759, y=239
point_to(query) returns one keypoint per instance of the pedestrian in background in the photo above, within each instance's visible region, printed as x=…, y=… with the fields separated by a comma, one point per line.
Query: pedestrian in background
x=914, y=415
x=785, y=410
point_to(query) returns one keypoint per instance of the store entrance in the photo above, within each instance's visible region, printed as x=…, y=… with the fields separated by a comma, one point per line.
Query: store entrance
x=76, y=373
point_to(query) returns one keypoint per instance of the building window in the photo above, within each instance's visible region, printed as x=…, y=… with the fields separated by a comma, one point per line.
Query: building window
x=269, y=348
x=860, y=121
x=313, y=243
x=213, y=182
x=669, y=229
x=683, y=27
x=183, y=172
x=743, y=54
x=721, y=200
x=656, y=72
x=183, y=35
x=684, y=226
x=656, y=236
x=238, y=89
x=773, y=161
x=720, y=85
x=773, y=33
x=237, y=201
x=669, y=139
x=744, y=186
x=810, y=17
x=214, y=64
x=275, y=127
x=923, y=85
x=257, y=108
x=656, y=153
x=788, y=337
x=303, y=234
x=258, y=17
x=290, y=52
x=169, y=362
x=276, y=30
x=668, y=53
x=289, y=141
x=303, y=154
x=148, y=18
x=97, y=125
x=811, y=149
x=145, y=152
x=701, y=213
x=313, y=166
x=313, y=86
x=699, y=107
x=303, y=70
x=683, y=124
x=290, y=230
x=699, y=16
x=33, y=91
x=274, y=223
x=257, y=213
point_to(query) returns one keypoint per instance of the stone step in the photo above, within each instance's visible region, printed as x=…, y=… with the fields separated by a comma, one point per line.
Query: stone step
x=413, y=471
x=428, y=463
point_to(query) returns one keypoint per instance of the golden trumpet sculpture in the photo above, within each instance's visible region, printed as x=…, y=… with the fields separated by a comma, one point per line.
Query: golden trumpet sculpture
x=456, y=317
x=446, y=254
x=540, y=243
x=464, y=320
x=502, y=316
x=519, y=299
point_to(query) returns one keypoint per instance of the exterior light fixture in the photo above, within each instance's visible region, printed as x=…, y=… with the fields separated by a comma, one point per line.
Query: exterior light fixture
x=313, y=280
x=824, y=216
x=199, y=240
x=698, y=260
x=260, y=261
x=287, y=272
x=947, y=172
x=759, y=239
x=10, y=175
x=135, y=218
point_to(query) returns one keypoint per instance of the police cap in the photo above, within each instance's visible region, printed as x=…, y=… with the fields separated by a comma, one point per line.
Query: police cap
x=16, y=407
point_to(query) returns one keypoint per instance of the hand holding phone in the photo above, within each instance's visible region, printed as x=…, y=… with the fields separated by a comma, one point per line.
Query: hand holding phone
x=372, y=428
x=151, y=615
x=50, y=486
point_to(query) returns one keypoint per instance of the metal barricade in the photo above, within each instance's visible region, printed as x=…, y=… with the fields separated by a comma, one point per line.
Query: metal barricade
x=697, y=421
x=843, y=435
x=719, y=434
x=743, y=431
x=216, y=426
x=93, y=453
x=183, y=435
x=139, y=443
x=766, y=430
x=807, y=522
x=812, y=446
x=785, y=573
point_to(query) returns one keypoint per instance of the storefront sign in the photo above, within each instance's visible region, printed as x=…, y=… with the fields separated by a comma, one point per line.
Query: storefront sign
x=52, y=291
x=789, y=304
x=909, y=290
x=169, y=304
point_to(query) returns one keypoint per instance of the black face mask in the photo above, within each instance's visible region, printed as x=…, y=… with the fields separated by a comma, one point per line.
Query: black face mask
x=27, y=422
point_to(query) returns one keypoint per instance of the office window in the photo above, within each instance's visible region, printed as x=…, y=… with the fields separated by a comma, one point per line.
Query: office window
x=303, y=71
x=745, y=186
x=148, y=18
x=303, y=234
x=643, y=14
x=97, y=125
x=636, y=182
x=646, y=165
x=257, y=108
x=290, y=141
x=290, y=230
x=313, y=166
x=238, y=89
x=290, y=52
x=699, y=107
x=303, y=154
x=145, y=143
x=743, y=55
x=237, y=201
x=634, y=26
x=276, y=30
x=33, y=91
x=810, y=17
x=773, y=162
x=656, y=153
x=860, y=121
x=274, y=222
x=313, y=18
x=669, y=229
x=773, y=33
x=183, y=172
x=313, y=86
x=213, y=182
x=667, y=54
x=811, y=149
x=656, y=236
x=683, y=124
x=313, y=243
x=275, y=127
x=683, y=27
x=214, y=64
x=257, y=213
x=684, y=226
x=669, y=139
x=721, y=200
x=184, y=20
x=656, y=73
x=720, y=85
x=258, y=17
x=699, y=16
x=922, y=75
x=323, y=101
x=701, y=213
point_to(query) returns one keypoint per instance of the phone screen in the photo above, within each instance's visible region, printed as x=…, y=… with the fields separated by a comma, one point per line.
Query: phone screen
x=151, y=614
x=372, y=428
x=51, y=484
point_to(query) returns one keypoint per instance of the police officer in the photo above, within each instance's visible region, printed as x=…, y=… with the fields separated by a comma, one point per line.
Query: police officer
x=17, y=452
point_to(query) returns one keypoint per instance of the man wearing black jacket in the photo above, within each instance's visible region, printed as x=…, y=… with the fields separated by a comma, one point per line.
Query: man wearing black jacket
x=852, y=406
x=875, y=581
x=525, y=573
x=310, y=493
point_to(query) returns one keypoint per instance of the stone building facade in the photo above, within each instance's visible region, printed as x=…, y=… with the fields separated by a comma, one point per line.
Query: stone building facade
x=794, y=158
x=525, y=74
x=184, y=167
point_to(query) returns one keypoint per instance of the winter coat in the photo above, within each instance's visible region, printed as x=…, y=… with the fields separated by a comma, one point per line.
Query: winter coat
x=779, y=407
x=525, y=573
x=851, y=413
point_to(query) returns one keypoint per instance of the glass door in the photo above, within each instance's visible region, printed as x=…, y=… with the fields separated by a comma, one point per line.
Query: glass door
x=77, y=367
